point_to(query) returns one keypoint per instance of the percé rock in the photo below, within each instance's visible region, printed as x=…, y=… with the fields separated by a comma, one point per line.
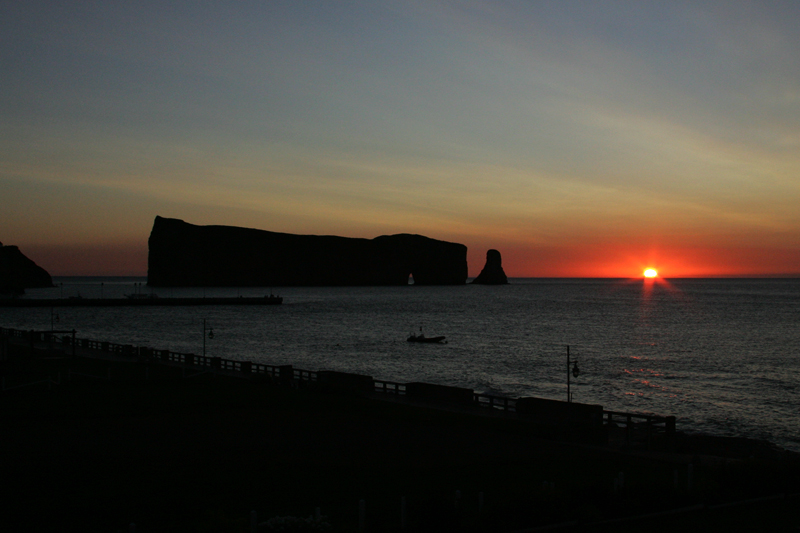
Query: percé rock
x=18, y=273
x=492, y=273
x=186, y=255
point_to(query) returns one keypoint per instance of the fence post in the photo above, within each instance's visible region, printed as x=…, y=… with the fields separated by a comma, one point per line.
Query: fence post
x=362, y=515
x=403, y=513
x=285, y=373
x=253, y=521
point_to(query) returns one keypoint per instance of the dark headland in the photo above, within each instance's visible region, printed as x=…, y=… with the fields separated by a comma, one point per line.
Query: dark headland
x=18, y=272
x=182, y=254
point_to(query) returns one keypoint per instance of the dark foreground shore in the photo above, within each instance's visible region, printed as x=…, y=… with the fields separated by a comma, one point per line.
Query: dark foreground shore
x=170, y=452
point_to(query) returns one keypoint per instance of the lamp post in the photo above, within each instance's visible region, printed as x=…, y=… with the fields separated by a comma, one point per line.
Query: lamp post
x=210, y=331
x=571, y=369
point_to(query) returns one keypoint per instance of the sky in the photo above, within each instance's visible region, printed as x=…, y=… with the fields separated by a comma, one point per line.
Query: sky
x=578, y=138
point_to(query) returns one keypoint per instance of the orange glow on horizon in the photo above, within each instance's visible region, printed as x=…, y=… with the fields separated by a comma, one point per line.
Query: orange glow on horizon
x=123, y=259
x=650, y=273
x=129, y=257
x=624, y=262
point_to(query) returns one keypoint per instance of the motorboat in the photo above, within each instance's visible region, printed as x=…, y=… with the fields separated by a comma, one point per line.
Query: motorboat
x=422, y=338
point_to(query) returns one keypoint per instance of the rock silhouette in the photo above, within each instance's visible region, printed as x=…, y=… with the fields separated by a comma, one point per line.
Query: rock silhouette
x=18, y=273
x=492, y=273
x=183, y=254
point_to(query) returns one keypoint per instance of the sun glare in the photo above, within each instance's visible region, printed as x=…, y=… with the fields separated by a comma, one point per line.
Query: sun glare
x=650, y=273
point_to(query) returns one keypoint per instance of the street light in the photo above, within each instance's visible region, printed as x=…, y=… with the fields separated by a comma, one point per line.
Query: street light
x=571, y=369
x=210, y=331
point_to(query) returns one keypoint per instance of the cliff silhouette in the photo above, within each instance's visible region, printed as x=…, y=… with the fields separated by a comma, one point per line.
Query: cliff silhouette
x=183, y=254
x=18, y=272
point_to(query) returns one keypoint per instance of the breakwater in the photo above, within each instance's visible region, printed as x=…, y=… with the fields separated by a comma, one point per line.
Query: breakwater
x=137, y=302
x=558, y=419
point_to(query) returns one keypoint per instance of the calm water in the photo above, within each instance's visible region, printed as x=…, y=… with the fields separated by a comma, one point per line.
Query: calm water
x=721, y=355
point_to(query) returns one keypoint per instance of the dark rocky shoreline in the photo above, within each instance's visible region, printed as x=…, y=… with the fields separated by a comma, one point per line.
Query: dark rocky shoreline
x=18, y=272
x=176, y=453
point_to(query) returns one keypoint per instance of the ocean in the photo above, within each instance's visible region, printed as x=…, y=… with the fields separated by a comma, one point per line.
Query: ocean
x=722, y=355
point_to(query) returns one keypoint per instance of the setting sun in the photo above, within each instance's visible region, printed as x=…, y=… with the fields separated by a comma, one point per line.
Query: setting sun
x=650, y=273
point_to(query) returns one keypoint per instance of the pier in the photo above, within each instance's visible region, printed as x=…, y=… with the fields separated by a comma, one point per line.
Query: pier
x=138, y=302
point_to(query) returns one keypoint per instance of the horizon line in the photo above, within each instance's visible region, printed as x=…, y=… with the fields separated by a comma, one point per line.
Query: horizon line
x=718, y=276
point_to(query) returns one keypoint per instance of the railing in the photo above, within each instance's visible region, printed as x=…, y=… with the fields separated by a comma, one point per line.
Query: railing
x=12, y=332
x=285, y=372
x=305, y=375
x=637, y=427
x=271, y=371
x=641, y=427
x=390, y=387
x=495, y=402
